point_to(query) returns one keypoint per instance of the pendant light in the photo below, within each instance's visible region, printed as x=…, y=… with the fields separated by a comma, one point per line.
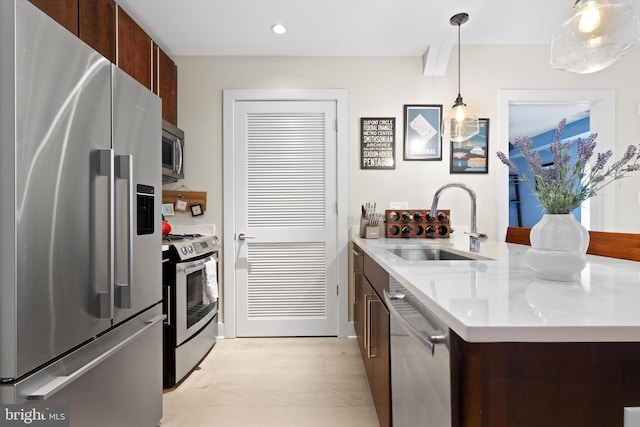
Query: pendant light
x=597, y=35
x=461, y=124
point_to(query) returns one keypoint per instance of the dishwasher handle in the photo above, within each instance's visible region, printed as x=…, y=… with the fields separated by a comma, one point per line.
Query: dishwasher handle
x=428, y=342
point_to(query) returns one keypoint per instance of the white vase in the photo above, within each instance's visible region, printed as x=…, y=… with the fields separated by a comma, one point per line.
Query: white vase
x=558, y=248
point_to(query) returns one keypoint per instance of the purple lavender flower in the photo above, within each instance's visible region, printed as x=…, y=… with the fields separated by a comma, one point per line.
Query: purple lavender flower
x=558, y=136
x=565, y=185
x=534, y=161
x=503, y=158
x=630, y=153
x=523, y=143
x=603, y=158
x=585, y=147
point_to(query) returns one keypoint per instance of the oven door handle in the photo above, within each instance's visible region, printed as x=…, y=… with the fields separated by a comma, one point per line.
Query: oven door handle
x=189, y=265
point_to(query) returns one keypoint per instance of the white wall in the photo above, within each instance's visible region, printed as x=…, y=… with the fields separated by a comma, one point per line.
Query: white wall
x=379, y=87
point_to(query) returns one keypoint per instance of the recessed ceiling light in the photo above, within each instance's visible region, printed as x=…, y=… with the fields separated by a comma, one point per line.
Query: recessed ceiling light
x=279, y=29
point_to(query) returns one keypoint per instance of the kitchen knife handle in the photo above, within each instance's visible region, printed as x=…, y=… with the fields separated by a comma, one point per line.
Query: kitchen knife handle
x=103, y=249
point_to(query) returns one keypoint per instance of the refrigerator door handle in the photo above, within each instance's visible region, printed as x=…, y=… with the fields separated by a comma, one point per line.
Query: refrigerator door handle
x=59, y=382
x=124, y=171
x=104, y=249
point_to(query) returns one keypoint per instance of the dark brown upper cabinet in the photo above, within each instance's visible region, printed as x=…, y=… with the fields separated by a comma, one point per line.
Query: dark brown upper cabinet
x=64, y=12
x=134, y=49
x=97, y=26
x=165, y=84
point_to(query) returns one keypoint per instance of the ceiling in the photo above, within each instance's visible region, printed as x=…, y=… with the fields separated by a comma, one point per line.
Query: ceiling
x=341, y=27
x=356, y=28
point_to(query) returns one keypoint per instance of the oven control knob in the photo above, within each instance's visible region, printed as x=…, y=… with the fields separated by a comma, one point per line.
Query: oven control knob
x=184, y=250
x=190, y=249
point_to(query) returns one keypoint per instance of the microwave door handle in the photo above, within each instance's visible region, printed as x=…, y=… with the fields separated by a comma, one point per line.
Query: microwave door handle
x=179, y=145
x=123, y=290
x=103, y=242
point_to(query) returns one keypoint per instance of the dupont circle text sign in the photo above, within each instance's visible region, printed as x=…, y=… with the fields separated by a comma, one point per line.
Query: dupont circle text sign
x=378, y=143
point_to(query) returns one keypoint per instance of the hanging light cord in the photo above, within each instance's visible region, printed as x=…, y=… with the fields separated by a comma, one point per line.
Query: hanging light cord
x=458, y=20
x=459, y=97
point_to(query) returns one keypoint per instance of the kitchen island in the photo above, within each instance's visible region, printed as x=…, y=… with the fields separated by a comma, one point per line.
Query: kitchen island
x=527, y=352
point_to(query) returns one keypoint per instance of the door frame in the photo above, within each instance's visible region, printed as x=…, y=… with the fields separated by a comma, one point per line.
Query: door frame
x=602, y=120
x=230, y=97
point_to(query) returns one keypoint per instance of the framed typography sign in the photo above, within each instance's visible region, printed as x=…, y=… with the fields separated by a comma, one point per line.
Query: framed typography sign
x=378, y=143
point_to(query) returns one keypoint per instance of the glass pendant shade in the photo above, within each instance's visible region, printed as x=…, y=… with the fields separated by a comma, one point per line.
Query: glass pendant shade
x=461, y=124
x=598, y=35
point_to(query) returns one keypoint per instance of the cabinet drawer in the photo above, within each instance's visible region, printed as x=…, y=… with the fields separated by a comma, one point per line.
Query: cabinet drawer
x=376, y=275
x=358, y=258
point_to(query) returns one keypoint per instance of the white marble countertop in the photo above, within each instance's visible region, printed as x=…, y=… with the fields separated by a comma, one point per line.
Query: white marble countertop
x=499, y=300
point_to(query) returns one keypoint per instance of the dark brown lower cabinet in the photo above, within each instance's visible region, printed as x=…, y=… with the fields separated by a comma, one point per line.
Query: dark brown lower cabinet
x=371, y=322
x=525, y=384
x=505, y=384
x=380, y=360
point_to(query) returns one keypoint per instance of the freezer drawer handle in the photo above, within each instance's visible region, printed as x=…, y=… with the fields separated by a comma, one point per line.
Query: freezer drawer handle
x=429, y=341
x=58, y=383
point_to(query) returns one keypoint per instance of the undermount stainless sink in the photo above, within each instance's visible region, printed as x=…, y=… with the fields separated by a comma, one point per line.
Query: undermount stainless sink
x=432, y=254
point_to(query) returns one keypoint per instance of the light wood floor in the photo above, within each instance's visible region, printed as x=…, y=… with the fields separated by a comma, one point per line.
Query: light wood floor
x=284, y=382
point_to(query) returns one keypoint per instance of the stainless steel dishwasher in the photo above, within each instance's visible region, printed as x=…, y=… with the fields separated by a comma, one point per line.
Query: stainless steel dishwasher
x=420, y=364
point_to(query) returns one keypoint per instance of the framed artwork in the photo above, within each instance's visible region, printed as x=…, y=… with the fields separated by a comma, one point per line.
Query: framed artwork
x=471, y=156
x=422, y=132
x=377, y=143
x=196, y=209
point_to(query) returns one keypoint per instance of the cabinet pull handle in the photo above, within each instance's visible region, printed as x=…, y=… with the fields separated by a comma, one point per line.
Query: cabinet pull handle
x=367, y=326
x=369, y=353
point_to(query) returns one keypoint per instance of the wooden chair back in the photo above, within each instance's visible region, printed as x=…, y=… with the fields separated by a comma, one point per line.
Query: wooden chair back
x=612, y=245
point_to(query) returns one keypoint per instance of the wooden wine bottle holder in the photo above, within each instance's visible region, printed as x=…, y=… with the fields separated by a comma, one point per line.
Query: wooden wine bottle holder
x=414, y=223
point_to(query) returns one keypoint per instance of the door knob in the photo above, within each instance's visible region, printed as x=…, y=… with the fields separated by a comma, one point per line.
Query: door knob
x=242, y=236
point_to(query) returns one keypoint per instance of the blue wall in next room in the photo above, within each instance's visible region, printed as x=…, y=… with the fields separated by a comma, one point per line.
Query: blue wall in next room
x=531, y=212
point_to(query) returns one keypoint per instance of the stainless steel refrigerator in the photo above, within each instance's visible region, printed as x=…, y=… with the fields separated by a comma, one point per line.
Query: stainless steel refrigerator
x=80, y=254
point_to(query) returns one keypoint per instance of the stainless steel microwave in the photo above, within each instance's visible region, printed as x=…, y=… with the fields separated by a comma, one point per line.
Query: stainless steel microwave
x=172, y=153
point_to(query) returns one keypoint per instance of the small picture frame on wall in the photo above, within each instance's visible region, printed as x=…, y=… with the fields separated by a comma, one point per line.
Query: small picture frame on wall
x=422, y=132
x=471, y=156
x=196, y=209
x=181, y=205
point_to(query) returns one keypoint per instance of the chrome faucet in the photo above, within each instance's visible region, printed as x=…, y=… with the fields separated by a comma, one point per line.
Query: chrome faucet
x=474, y=237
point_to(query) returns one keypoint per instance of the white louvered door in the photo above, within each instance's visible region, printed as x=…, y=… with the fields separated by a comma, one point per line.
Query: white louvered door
x=286, y=273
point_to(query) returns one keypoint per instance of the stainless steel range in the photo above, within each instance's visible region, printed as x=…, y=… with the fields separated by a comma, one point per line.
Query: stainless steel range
x=190, y=290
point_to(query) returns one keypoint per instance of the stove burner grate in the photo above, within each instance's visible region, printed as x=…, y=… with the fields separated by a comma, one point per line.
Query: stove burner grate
x=179, y=237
